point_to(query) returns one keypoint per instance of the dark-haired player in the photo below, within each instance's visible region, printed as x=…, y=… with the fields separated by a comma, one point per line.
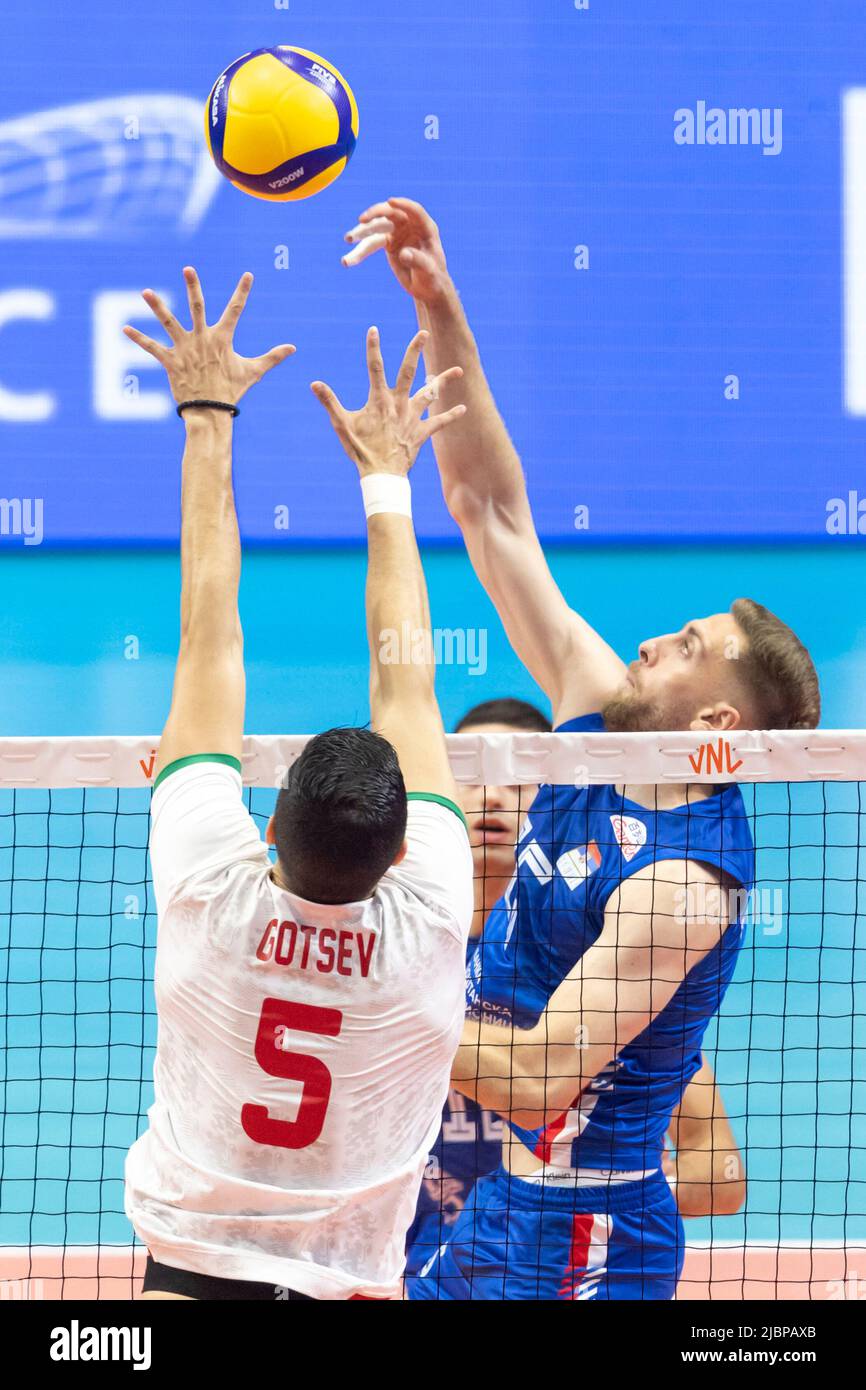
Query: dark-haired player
x=616, y=941
x=470, y=1140
x=308, y=1010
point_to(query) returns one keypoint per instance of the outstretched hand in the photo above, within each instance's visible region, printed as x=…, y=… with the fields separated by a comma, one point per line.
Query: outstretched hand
x=386, y=434
x=201, y=362
x=410, y=238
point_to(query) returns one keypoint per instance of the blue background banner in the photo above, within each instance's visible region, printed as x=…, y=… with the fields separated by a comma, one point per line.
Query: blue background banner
x=663, y=321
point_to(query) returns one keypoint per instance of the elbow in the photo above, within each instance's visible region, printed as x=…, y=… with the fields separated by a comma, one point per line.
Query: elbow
x=199, y=633
x=710, y=1199
x=694, y=1199
x=540, y=1103
x=492, y=524
x=521, y=1096
x=480, y=509
x=728, y=1198
x=393, y=701
x=528, y=1119
x=535, y=1110
x=466, y=505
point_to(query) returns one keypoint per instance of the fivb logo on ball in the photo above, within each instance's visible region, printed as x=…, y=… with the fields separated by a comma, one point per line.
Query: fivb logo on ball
x=322, y=73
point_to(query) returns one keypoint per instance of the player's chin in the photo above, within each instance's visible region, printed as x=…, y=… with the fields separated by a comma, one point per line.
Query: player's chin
x=630, y=712
x=493, y=860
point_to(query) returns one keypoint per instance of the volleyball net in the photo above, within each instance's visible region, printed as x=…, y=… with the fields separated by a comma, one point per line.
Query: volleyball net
x=77, y=949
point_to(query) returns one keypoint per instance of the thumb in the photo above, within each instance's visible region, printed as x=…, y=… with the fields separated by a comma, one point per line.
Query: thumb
x=327, y=398
x=422, y=272
x=413, y=259
x=271, y=359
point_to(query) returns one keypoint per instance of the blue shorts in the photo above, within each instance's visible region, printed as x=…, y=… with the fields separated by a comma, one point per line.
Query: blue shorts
x=519, y=1240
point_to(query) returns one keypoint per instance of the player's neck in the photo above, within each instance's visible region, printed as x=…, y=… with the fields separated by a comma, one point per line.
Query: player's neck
x=282, y=880
x=486, y=891
x=664, y=796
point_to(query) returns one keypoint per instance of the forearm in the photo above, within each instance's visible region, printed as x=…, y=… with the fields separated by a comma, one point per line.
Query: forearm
x=210, y=540
x=512, y=1070
x=479, y=464
x=485, y=491
x=710, y=1174
x=607, y=1000
x=398, y=614
x=710, y=1181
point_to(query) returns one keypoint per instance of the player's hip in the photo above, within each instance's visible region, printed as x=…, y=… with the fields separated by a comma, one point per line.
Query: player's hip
x=524, y=1241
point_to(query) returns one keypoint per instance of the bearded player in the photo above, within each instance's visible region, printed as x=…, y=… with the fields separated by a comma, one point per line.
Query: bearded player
x=702, y=1163
x=308, y=1009
x=596, y=938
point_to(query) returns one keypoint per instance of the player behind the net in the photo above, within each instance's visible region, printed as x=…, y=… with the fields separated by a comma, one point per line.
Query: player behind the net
x=703, y=1163
x=614, y=945
x=309, y=1009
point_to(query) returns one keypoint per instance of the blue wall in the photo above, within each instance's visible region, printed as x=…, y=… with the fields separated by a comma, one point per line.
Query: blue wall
x=66, y=616
x=556, y=129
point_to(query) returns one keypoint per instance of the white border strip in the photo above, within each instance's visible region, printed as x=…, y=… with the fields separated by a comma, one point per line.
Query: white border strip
x=854, y=246
x=820, y=755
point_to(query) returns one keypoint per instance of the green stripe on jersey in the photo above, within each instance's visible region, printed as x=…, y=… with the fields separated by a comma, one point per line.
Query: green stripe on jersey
x=441, y=801
x=225, y=758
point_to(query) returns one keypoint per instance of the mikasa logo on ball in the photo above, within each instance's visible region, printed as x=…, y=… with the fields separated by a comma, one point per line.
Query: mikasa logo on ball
x=214, y=106
x=289, y=178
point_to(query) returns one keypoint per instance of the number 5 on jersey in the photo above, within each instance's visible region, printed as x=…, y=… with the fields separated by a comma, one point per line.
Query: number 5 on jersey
x=277, y=1017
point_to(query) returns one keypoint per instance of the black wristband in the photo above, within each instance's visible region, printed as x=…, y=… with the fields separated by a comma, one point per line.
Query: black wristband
x=208, y=405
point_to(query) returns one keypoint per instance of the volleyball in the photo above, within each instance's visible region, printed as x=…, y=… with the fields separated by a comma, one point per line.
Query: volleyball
x=281, y=123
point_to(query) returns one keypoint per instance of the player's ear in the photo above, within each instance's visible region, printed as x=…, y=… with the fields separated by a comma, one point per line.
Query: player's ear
x=270, y=838
x=401, y=853
x=717, y=719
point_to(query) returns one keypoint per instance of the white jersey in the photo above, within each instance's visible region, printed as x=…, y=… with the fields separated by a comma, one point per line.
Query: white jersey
x=304, y=1050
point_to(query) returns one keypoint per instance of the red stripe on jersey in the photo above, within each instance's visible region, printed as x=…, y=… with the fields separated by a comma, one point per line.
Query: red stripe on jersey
x=548, y=1137
x=578, y=1255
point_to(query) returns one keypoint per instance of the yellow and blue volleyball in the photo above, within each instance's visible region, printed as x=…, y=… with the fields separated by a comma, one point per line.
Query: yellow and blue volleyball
x=281, y=123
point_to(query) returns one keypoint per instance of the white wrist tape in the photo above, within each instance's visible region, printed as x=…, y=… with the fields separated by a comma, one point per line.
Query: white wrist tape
x=386, y=492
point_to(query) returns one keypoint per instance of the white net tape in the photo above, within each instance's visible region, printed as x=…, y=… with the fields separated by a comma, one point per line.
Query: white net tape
x=514, y=759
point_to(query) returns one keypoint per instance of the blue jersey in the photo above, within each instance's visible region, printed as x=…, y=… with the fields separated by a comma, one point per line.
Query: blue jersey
x=468, y=1146
x=576, y=847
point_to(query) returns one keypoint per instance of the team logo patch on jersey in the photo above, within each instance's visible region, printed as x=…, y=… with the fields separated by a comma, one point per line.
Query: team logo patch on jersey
x=630, y=834
x=576, y=866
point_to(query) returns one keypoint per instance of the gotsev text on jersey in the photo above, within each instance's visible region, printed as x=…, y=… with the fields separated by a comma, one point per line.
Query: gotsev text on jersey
x=321, y=948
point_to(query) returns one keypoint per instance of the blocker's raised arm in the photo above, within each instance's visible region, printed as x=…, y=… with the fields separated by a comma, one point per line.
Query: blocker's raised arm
x=383, y=440
x=207, y=708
